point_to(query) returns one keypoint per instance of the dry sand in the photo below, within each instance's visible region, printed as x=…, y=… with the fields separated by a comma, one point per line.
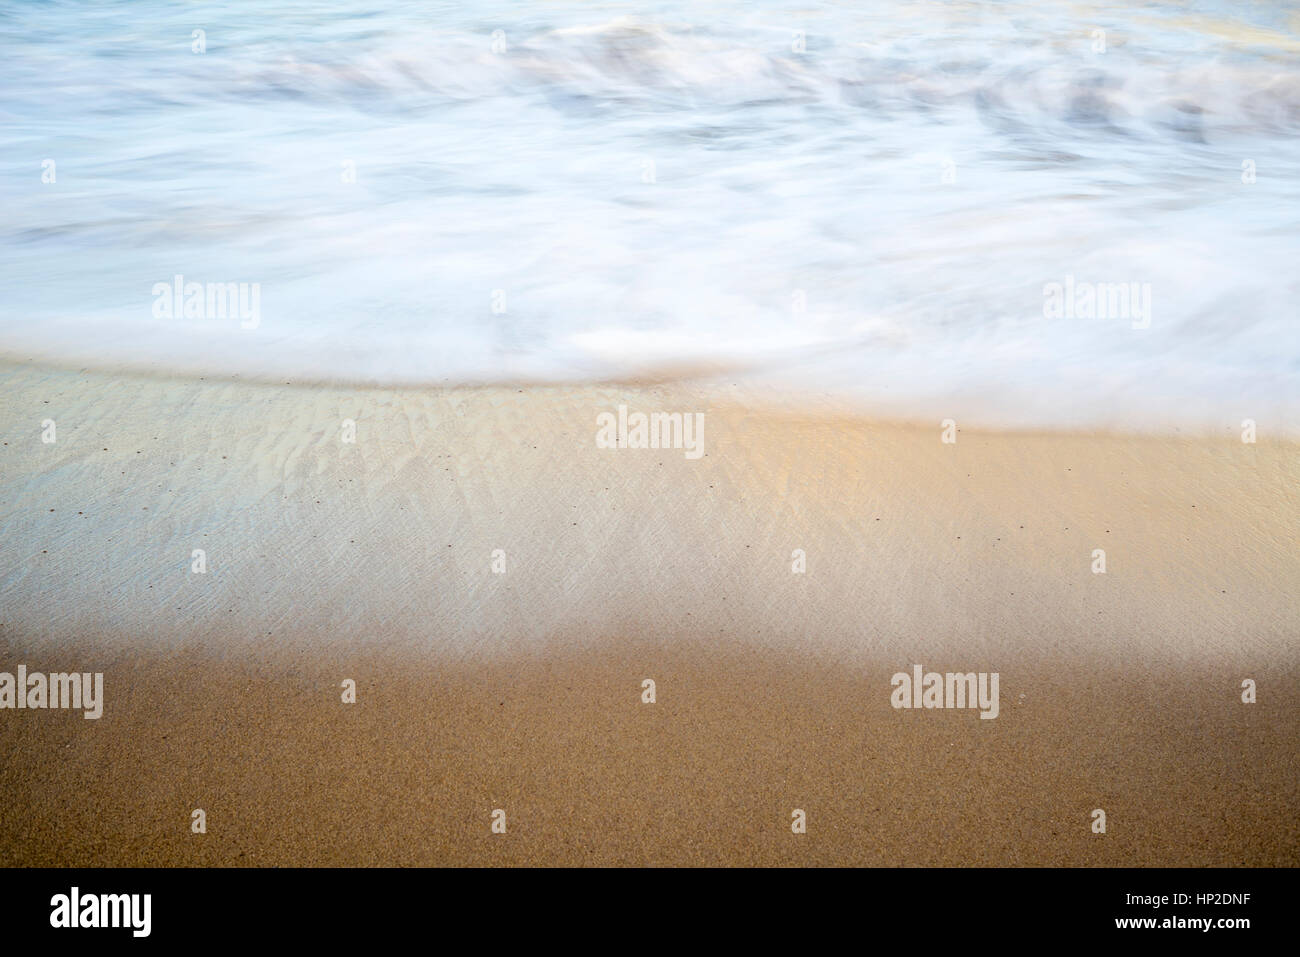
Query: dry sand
x=521, y=691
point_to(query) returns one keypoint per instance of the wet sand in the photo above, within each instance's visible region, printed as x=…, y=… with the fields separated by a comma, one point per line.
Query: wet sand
x=522, y=690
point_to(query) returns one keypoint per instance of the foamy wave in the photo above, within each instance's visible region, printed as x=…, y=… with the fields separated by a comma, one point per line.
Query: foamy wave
x=632, y=63
x=864, y=199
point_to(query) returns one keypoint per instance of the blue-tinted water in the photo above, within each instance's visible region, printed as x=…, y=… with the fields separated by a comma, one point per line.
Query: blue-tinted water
x=864, y=198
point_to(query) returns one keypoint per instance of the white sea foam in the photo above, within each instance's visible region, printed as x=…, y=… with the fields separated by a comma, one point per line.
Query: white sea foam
x=621, y=190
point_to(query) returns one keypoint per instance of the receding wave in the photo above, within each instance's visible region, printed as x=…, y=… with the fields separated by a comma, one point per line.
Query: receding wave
x=1053, y=212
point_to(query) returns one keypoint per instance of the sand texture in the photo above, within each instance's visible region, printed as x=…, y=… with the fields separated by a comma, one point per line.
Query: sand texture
x=521, y=690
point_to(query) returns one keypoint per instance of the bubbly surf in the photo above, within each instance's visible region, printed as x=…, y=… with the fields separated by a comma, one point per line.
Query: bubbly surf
x=862, y=199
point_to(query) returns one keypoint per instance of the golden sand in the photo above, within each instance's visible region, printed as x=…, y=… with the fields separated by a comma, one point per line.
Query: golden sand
x=521, y=691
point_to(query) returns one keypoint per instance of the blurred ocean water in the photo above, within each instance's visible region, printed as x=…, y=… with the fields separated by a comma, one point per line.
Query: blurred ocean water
x=866, y=199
